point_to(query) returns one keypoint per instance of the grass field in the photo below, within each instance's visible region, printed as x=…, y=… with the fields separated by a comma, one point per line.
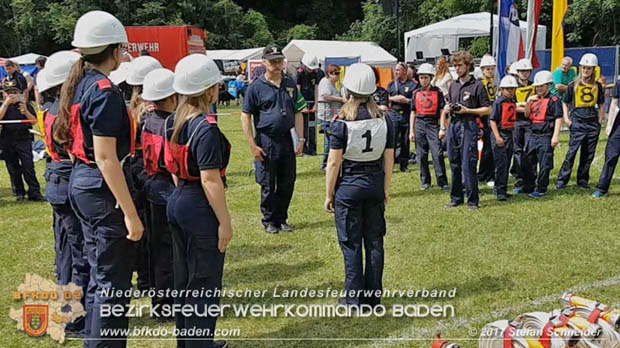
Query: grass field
x=503, y=259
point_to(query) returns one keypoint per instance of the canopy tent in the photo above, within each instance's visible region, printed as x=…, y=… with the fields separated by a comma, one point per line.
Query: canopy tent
x=447, y=34
x=369, y=52
x=232, y=60
x=26, y=59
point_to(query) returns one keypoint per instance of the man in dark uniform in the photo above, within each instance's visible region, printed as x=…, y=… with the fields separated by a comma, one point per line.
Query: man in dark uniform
x=400, y=91
x=271, y=102
x=16, y=142
x=468, y=99
x=308, y=77
x=522, y=131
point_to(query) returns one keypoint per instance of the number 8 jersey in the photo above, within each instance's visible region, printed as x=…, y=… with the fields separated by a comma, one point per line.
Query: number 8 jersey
x=583, y=100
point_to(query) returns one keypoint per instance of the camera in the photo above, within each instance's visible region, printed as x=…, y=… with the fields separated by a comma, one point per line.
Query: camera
x=456, y=107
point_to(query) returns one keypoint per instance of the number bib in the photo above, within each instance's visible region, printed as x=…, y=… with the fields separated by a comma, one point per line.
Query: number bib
x=366, y=140
x=524, y=92
x=426, y=103
x=538, y=110
x=509, y=115
x=488, y=85
x=586, y=96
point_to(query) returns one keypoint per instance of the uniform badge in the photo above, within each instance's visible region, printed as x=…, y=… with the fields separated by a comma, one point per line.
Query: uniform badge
x=406, y=89
x=290, y=91
x=35, y=319
x=466, y=96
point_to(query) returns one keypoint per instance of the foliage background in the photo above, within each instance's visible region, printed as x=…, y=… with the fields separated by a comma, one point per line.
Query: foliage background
x=45, y=26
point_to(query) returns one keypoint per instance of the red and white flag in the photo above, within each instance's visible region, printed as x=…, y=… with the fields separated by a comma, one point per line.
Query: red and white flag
x=533, y=14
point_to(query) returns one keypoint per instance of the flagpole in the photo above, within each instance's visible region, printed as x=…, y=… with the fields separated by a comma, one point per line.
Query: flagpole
x=491, y=27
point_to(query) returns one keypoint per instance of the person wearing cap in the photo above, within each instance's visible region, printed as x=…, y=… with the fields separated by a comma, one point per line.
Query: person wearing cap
x=426, y=104
x=330, y=101
x=486, y=170
x=197, y=153
x=400, y=91
x=359, y=171
x=134, y=166
x=562, y=76
x=271, y=102
x=584, y=112
x=612, y=150
x=502, y=122
x=522, y=128
x=16, y=141
x=14, y=74
x=71, y=263
x=545, y=112
x=157, y=91
x=95, y=127
x=308, y=78
x=467, y=100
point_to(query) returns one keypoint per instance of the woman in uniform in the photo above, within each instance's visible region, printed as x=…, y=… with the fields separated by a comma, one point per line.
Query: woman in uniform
x=71, y=263
x=93, y=123
x=197, y=153
x=158, y=91
x=134, y=168
x=362, y=149
x=584, y=111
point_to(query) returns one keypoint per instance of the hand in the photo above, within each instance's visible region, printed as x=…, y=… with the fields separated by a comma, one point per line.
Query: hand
x=448, y=107
x=463, y=110
x=10, y=99
x=135, y=228
x=442, y=134
x=150, y=107
x=554, y=141
x=300, y=148
x=412, y=135
x=224, y=234
x=23, y=109
x=329, y=204
x=533, y=98
x=499, y=141
x=568, y=122
x=258, y=153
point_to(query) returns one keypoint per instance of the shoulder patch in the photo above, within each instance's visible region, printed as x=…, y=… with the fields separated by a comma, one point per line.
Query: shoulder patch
x=104, y=84
x=555, y=98
x=300, y=70
x=211, y=119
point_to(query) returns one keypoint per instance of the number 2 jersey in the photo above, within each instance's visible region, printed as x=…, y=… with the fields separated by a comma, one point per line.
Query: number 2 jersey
x=363, y=142
x=583, y=100
x=504, y=113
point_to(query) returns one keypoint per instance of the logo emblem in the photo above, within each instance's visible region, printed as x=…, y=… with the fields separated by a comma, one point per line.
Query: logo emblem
x=290, y=91
x=35, y=319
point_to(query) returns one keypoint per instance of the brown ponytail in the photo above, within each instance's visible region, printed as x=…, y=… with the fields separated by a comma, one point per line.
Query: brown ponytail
x=191, y=108
x=62, y=127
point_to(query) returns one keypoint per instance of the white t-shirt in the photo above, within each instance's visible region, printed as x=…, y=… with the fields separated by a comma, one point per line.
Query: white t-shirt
x=327, y=110
x=443, y=83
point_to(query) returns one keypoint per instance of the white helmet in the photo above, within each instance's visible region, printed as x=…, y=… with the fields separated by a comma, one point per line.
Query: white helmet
x=427, y=69
x=360, y=79
x=195, y=74
x=119, y=75
x=158, y=85
x=57, y=69
x=524, y=64
x=589, y=59
x=513, y=68
x=96, y=30
x=508, y=82
x=487, y=61
x=311, y=61
x=140, y=67
x=542, y=78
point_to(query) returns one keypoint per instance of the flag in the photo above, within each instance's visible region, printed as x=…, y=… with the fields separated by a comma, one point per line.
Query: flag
x=510, y=39
x=533, y=13
x=557, y=36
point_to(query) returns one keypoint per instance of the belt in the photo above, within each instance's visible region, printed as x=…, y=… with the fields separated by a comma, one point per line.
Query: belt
x=362, y=169
x=183, y=182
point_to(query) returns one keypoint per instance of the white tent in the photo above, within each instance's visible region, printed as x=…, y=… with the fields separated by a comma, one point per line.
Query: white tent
x=446, y=34
x=26, y=59
x=244, y=54
x=370, y=52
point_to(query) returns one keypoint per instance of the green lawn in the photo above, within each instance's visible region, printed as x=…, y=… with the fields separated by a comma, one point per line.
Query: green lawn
x=503, y=256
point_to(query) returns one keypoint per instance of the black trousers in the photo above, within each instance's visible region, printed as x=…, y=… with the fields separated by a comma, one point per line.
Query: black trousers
x=519, y=134
x=583, y=135
x=20, y=165
x=486, y=168
x=427, y=138
x=502, y=156
x=612, y=152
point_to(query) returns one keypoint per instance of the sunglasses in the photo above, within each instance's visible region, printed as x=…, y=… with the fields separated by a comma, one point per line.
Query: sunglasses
x=334, y=73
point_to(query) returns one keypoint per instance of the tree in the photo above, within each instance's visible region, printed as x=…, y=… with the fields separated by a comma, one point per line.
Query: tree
x=593, y=22
x=375, y=26
x=256, y=30
x=298, y=32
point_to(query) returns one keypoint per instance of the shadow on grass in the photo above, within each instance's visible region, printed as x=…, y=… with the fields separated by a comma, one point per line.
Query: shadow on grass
x=275, y=272
x=328, y=223
x=253, y=251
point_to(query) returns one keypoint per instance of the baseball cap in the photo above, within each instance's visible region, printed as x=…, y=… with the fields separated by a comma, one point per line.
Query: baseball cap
x=10, y=84
x=272, y=52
